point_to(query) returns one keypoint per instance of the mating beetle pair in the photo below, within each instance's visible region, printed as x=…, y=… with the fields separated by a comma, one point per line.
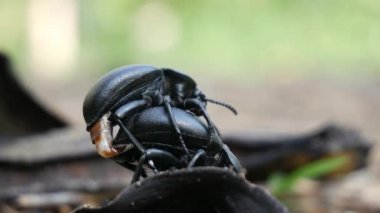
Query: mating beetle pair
x=157, y=112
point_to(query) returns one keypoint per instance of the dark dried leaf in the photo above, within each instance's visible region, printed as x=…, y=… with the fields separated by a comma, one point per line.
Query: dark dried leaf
x=205, y=189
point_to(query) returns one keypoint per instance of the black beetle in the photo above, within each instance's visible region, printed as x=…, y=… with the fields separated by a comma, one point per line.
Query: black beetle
x=128, y=90
x=161, y=152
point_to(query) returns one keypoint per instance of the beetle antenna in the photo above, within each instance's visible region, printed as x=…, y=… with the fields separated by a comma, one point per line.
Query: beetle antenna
x=233, y=110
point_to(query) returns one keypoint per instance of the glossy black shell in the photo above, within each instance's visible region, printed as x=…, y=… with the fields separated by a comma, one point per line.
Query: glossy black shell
x=153, y=129
x=129, y=83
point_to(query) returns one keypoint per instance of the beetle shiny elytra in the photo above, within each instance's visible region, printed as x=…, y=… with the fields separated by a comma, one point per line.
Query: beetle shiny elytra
x=130, y=90
x=153, y=130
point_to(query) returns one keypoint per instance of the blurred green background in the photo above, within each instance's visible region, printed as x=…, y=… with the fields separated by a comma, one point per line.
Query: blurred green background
x=244, y=39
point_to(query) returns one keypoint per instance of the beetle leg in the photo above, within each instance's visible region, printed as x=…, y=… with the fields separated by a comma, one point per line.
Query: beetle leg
x=168, y=107
x=132, y=138
x=152, y=166
x=139, y=169
x=232, y=159
x=131, y=108
x=194, y=103
x=162, y=156
x=198, y=155
x=101, y=136
x=126, y=111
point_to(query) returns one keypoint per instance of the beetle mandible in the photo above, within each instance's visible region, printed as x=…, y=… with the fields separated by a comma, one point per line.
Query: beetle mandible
x=130, y=89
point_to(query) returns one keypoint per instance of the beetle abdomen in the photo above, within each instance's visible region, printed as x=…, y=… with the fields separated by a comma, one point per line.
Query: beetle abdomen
x=153, y=128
